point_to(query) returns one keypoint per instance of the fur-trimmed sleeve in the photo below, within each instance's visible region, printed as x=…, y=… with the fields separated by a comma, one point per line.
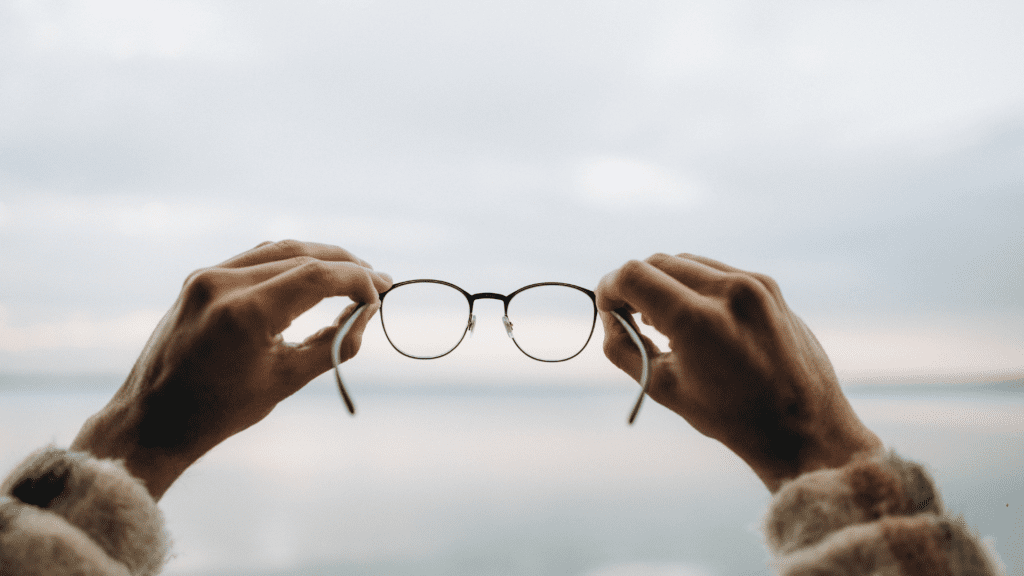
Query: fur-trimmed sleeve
x=877, y=517
x=64, y=512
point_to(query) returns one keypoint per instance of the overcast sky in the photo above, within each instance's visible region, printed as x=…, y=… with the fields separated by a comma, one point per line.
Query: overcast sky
x=869, y=155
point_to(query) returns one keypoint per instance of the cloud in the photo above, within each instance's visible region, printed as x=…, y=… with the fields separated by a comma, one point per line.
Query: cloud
x=852, y=78
x=652, y=569
x=165, y=219
x=126, y=29
x=160, y=218
x=81, y=330
x=615, y=182
x=876, y=348
x=398, y=233
x=942, y=413
x=463, y=138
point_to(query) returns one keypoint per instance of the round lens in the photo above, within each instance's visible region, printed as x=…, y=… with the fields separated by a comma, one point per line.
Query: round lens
x=424, y=319
x=551, y=322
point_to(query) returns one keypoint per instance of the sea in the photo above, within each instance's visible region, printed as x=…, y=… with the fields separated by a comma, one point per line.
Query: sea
x=509, y=481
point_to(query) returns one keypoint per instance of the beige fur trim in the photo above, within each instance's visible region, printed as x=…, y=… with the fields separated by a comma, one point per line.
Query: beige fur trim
x=879, y=517
x=818, y=503
x=99, y=499
x=36, y=543
x=858, y=550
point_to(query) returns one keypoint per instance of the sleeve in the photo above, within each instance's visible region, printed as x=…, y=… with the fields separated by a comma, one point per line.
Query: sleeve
x=879, y=517
x=65, y=512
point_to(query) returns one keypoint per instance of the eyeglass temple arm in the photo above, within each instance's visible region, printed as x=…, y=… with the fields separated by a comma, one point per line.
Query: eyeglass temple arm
x=343, y=331
x=645, y=372
x=336, y=355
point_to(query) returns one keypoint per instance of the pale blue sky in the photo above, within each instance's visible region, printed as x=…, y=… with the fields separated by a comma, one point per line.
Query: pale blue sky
x=868, y=155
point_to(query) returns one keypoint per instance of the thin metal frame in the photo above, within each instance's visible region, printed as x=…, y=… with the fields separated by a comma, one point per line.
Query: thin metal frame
x=627, y=326
x=471, y=320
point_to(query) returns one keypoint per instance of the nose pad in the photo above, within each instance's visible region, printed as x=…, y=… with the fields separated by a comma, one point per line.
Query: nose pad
x=472, y=323
x=508, y=326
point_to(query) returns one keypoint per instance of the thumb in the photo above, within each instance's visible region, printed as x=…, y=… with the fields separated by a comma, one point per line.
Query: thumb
x=312, y=357
x=620, y=348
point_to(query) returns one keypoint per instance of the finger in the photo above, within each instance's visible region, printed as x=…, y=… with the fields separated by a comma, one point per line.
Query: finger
x=312, y=357
x=620, y=348
x=284, y=297
x=285, y=249
x=258, y=273
x=666, y=302
x=721, y=266
x=205, y=283
x=697, y=275
x=767, y=281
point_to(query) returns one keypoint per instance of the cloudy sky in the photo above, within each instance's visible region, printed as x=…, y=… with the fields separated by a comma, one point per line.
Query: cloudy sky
x=869, y=155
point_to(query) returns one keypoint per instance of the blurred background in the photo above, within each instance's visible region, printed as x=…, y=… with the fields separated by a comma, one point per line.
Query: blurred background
x=867, y=155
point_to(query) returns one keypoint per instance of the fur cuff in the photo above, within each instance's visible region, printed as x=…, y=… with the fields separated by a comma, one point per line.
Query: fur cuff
x=880, y=516
x=66, y=509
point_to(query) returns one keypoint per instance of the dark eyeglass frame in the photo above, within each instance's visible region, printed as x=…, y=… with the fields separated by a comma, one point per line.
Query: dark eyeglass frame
x=626, y=325
x=471, y=319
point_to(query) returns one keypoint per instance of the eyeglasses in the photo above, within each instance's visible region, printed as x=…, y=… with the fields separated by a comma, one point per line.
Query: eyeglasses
x=428, y=319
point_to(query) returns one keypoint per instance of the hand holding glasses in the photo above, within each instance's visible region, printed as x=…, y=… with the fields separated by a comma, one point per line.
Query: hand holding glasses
x=549, y=322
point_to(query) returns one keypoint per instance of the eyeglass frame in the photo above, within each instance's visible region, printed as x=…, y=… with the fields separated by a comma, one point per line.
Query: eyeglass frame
x=471, y=298
x=471, y=320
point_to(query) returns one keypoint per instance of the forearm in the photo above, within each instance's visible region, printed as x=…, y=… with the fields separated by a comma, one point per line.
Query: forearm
x=113, y=434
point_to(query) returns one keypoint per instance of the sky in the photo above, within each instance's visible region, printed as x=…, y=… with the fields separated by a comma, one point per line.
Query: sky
x=867, y=155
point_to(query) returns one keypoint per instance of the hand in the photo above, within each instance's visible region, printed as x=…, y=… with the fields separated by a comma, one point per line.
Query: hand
x=742, y=368
x=217, y=364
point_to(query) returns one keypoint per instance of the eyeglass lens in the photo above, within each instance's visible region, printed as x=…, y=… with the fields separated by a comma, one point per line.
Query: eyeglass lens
x=551, y=323
x=548, y=322
x=425, y=319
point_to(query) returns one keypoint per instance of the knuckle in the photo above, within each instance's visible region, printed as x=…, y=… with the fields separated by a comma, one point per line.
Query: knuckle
x=200, y=275
x=236, y=315
x=741, y=283
x=742, y=287
x=317, y=272
x=290, y=247
x=632, y=272
x=659, y=259
x=769, y=283
x=366, y=285
x=747, y=296
x=201, y=285
x=616, y=285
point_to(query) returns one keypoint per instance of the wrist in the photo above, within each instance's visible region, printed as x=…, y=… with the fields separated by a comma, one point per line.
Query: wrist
x=814, y=453
x=112, y=434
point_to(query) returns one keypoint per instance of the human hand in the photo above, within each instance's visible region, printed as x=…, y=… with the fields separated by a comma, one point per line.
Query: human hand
x=217, y=364
x=741, y=368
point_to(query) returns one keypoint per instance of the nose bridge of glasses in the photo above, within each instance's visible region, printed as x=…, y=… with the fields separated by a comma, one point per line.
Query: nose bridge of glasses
x=488, y=296
x=491, y=296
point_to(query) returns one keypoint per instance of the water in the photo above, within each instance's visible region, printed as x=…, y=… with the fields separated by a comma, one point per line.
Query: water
x=518, y=483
